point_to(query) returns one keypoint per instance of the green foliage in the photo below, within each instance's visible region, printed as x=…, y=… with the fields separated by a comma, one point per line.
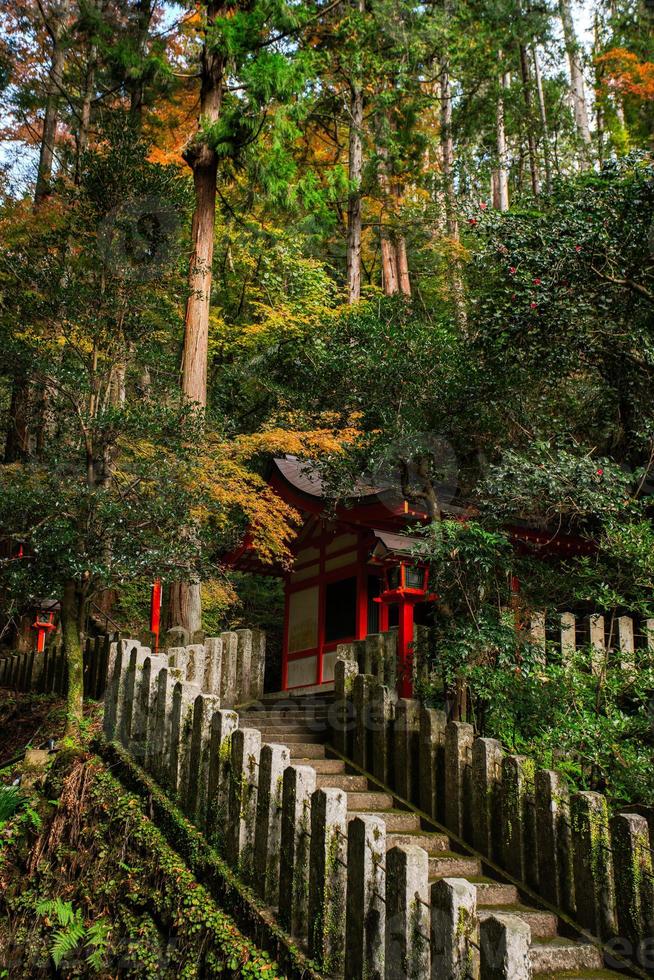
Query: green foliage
x=11, y=802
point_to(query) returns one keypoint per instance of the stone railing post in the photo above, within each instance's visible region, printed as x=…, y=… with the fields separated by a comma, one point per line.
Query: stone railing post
x=504, y=946
x=223, y=724
x=407, y=913
x=157, y=751
x=242, y=807
x=459, y=737
x=230, y=669
x=519, y=818
x=454, y=930
x=213, y=667
x=380, y=720
x=243, y=665
x=568, y=636
x=198, y=784
x=196, y=665
x=487, y=757
x=132, y=680
x=365, y=929
x=626, y=643
x=181, y=727
x=374, y=657
x=593, y=864
x=258, y=666
x=273, y=762
x=406, y=749
x=342, y=710
x=597, y=642
x=328, y=880
x=634, y=887
x=432, y=762
x=144, y=698
x=299, y=784
x=555, y=877
x=113, y=693
x=362, y=747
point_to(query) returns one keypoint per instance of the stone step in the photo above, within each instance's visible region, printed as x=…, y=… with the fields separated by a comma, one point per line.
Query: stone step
x=491, y=892
x=432, y=843
x=334, y=766
x=369, y=801
x=543, y=925
x=281, y=725
x=402, y=821
x=349, y=783
x=279, y=735
x=300, y=717
x=307, y=750
x=579, y=975
x=451, y=865
x=554, y=955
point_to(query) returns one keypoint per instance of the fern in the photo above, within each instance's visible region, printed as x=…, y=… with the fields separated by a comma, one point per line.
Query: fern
x=11, y=801
x=67, y=939
x=96, y=941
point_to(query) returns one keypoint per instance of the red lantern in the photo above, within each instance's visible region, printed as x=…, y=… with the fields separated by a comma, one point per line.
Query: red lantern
x=406, y=585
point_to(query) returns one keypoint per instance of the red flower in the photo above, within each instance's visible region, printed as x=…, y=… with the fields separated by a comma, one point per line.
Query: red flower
x=536, y=282
x=600, y=472
x=483, y=205
x=472, y=221
x=534, y=306
x=513, y=270
x=577, y=248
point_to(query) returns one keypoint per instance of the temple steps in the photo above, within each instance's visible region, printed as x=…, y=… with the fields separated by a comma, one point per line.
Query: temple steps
x=304, y=730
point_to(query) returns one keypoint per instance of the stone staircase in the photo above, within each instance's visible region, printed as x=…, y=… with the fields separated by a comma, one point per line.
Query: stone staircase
x=301, y=724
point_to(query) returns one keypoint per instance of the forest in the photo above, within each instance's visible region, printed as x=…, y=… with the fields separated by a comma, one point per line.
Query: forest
x=408, y=242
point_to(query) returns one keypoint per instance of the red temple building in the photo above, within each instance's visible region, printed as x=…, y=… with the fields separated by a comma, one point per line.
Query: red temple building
x=354, y=571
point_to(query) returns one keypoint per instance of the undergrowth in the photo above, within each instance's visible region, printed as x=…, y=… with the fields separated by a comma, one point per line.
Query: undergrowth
x=89, y=887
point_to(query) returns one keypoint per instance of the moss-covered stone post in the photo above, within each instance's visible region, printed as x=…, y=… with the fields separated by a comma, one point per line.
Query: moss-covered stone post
x=298, y=785
x=181, y=727
x=406, y=749
x=432, y=762
x=118, y=662
x=504, y=948
x=626, y=643
x=538, y=635
x=178, y=657
x=374, y=657
x=593, y=864
x=380, y=719
x=634, y=893
x=487, y=757
x=454, y=930
x=328, y=880
x=365, y=930
x=213, y=665
x=568, y=636
x=157, y=752
x=341, y=712
x=273, y=762
x=597, y=642
x=243, y=665
x=144, y=692
x=229, y=672
x=198, y=783
x=555, y=877
x=242, y=806
x=223, y=724
x=135, y=663
x=407, y=912
x=390, y=658
x=459, y=737
x=197, y=657
x=258, y=666
x=362, y=692
x=519, y=818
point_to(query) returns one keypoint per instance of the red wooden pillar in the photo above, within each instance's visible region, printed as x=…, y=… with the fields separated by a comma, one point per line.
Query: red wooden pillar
x=405, y=648
x=155, y=612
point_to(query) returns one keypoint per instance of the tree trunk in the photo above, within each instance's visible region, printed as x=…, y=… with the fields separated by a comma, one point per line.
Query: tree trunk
x=542, y=109
x=185, y=607
x=72, y=614
x=17, y=437
x=502, y=188
x=577, y=93
x=531, y=142
x=355, y=170
x=144, y=13
x=449, y=195
x=57, y=30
